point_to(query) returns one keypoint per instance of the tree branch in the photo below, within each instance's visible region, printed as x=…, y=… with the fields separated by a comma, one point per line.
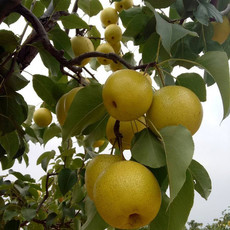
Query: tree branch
x=43, y=37
x=27, y=52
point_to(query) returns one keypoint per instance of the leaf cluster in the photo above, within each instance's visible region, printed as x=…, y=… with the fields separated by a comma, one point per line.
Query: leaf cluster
x=182, y=37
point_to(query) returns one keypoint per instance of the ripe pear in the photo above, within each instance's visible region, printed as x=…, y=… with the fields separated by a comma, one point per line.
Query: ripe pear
x=113, y=34
x=64, y=104
x=127, y=95
x=42, y=117
x=108, y=16
x=104, y=48
x=126, y=128
x=98, y=143
x=175, y=105
x=123, y=5
x=95, y=167
x=114, y=66
x=127, y=195
x=221, y=31
x=81, y=45
x=116, y=47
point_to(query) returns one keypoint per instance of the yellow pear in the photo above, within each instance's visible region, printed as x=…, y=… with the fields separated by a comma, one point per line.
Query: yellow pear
x=221, y=31
x=108, y=16
x=104, y=48
x=127, y=195
x=64, y=103
x=117, y=47
x=95, y=167
x=81, y=45
x=127, y=95
x=126, y=128
x=123, y=5
x=175, y=105
x=147, y=76
x=98, y=143
x=42, y=117
x=114, y=66
x=113, y=34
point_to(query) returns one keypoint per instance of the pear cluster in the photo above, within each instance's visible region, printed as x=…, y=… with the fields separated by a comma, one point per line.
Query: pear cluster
x=125, y=193
x=113, y=33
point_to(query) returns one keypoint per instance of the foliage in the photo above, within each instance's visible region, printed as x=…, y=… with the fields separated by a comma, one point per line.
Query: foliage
x=181, y=37
x=222, y=223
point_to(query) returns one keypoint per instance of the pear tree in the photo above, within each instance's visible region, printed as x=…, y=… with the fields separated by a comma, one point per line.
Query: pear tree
x=105, y=63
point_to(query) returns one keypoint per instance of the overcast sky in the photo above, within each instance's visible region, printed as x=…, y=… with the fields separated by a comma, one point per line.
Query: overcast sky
x=212, y=145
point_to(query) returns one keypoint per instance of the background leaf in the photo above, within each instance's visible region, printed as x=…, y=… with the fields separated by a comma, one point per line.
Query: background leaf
x=86, y=108
x=61, y=42
x=66, y=180
x=90, y=7
x=45, y=158
x=194, y=82
x=46, y=89
x=169, y=32
x=72, y=21
x=181, y=204
x=179, y=148
x=216, y=64
x=61, y=5
x=203, y=183
x=94, y=220
x=147, y=150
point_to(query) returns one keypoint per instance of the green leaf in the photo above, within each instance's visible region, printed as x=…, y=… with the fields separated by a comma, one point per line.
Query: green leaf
x=160, y=4
x=129, y=57
x=179, y=148
x=45, y=158
x=194, y=82
x=216, y=64
x=205, y=11
x=48, y=60
x=21, y=177
x=94, y=221
x=8, y=42
x=12, y=225
x=66, y=180
x=72, y=21
x=203, y=183
x=127, y=15
x=12, y=18
x=28, y=213
x=136, y=26
x=61, y=42
x=162, y=218
x=38, y=9
x=51, y=218
x=10, y=143
x=147, y=150
x=150, y=48
x=61, y=5
x=170, y=33
x=95, y=33
x=46, y=89
x=181, y=205
x=97, y=131
x=52, y=131
x=86, y=109
x=90, y=7
x=13, y=112
x=6, y=162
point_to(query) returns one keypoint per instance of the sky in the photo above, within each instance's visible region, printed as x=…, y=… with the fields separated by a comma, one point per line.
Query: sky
x=212, y=145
